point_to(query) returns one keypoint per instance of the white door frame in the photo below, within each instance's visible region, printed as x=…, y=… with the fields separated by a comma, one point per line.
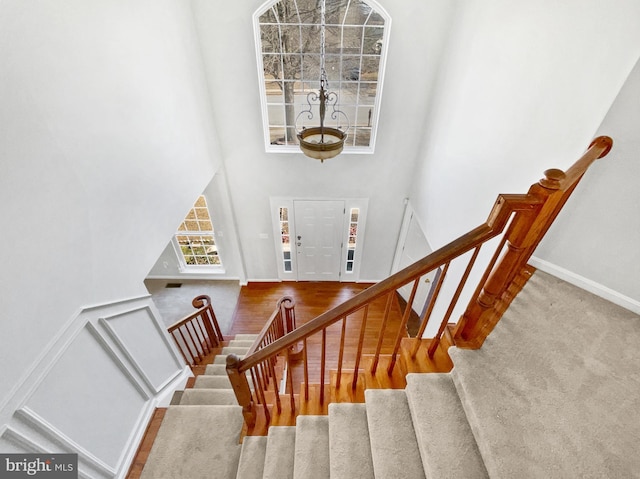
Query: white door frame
x=426, y=283
x=288, y=202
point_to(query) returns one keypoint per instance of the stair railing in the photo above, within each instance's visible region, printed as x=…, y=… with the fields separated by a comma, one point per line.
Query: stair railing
x=493, y=292
x=523, y=218
x=263, y=376
x=197, y=334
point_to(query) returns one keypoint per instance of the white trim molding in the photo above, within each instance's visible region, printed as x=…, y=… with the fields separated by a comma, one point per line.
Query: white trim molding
x=56, y=436
x=110, y=361
x=587, y=284
x=130, y=356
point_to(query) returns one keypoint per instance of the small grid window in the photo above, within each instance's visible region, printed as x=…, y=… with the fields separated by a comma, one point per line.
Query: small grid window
x=196, y=239
x=286, y=240
x=353, y=234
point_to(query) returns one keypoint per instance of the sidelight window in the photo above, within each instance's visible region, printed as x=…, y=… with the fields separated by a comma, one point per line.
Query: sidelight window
x=352, y=241
x=286, y=240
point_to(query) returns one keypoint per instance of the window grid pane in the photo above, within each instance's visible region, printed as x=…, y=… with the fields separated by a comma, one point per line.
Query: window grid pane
x=351, y=243
x=195, y=237
x=285, y=240
x=289, y=53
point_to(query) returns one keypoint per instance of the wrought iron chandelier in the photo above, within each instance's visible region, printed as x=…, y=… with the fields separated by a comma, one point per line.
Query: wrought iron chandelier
x=322, y=142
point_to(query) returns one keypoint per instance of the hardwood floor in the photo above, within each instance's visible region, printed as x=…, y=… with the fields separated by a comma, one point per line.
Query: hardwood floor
x=258, y=300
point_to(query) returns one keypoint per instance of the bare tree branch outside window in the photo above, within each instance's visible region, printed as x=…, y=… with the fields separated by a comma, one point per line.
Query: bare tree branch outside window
x=290, y=55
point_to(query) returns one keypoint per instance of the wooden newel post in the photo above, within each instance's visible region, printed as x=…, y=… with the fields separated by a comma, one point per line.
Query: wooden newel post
x=286, y=304
x=527, y=230
x=241, y=389
x=288, y=314
x=529, y=227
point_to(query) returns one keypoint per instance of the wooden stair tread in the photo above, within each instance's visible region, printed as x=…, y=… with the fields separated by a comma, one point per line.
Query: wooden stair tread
x=345, y=392
x=422, y=363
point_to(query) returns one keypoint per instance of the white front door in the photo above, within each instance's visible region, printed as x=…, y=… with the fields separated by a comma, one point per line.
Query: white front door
x=318, y=239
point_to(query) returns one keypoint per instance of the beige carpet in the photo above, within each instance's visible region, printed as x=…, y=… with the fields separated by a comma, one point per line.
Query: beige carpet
x=555, y=390
x=175, y=303
x=184, y=449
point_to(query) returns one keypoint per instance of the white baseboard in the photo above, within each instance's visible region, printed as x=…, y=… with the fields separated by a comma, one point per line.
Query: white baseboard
x=264, y=280
x=141, y=375
x=586, y=284
x=163, y=399
x=202, y=277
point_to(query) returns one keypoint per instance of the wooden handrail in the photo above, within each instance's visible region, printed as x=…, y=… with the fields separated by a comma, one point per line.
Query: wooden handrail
x=599, y=148
x=504, y=207
x=198, y=333
x=276, y=322
x=553, y=191
x=523, y=218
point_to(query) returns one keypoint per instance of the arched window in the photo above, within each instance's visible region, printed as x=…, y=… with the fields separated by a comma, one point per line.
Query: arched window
x=288, y=53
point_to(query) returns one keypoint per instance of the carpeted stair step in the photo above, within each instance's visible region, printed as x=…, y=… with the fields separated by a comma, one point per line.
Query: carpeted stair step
x=175, y=399
x=251, y=465
x=280, y=452
x=447, y=445
x=211, y=397
x=220, y=370
x=222, y=359
x=216, y=370
x=246, y=337
x=350, y=450
x=312, y=448
x=394, y=447
x=554, y=389
x=212, y=382
x=195, y=442
x=238, y=351
x=240, y=343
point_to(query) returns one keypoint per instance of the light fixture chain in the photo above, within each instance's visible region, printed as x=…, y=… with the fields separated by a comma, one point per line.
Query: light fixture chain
x=323, y=72
x=322, y=142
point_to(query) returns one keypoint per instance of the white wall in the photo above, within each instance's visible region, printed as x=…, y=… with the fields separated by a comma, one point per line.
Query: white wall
x=105, y=140
x=226, y=30
x=594, y=243
x=524, y=88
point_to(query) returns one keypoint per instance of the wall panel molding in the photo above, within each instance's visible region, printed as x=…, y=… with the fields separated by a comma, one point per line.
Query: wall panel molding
x=128, y=351
x=118, y=360
x=93, y=391
x=48, y=430
x=20, y=441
